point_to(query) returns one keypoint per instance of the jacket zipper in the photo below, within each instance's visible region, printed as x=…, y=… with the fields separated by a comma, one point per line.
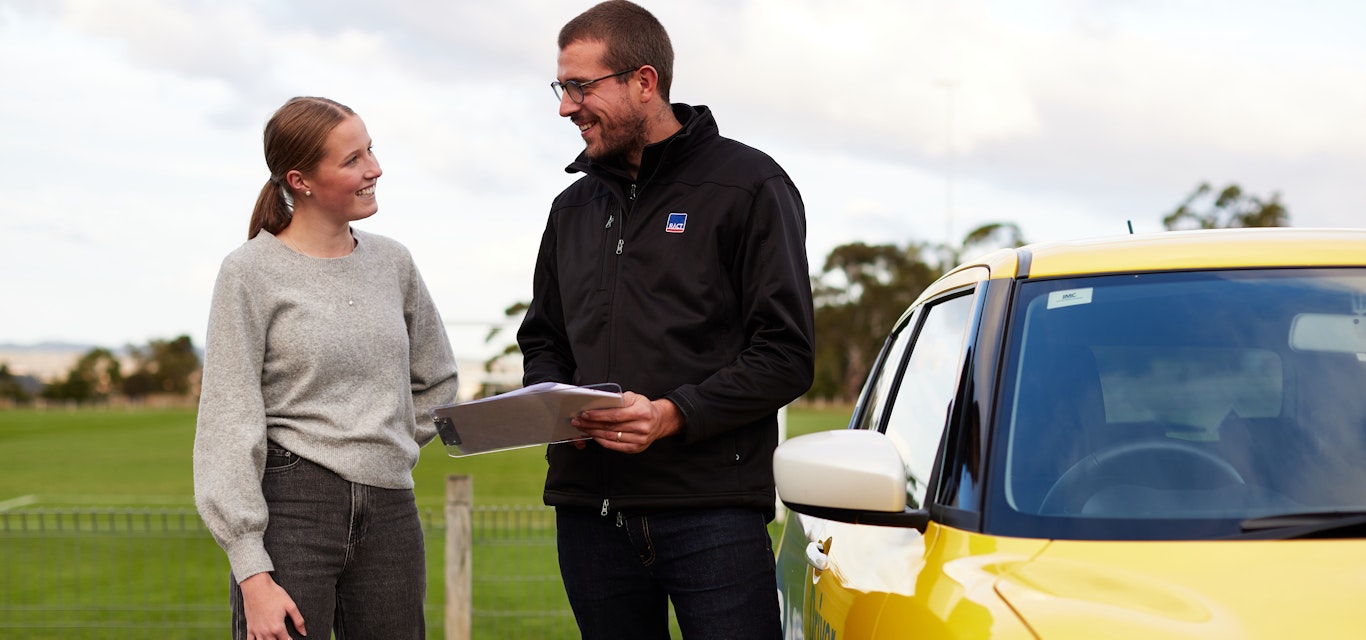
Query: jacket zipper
x=621, y=231
x=611, y=355
x=605, y=265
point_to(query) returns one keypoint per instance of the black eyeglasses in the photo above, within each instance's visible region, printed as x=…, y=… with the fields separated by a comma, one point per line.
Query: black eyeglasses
x=574, y=88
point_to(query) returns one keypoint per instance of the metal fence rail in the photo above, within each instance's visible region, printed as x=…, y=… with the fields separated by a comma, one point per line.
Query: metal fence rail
x=120, y=573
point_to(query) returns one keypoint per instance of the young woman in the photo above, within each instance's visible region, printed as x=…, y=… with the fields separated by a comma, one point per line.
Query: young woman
x=324, y=355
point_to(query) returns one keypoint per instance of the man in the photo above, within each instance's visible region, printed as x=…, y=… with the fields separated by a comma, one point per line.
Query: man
x=676, y=268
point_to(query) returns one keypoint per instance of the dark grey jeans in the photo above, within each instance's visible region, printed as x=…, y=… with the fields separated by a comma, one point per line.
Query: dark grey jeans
x=350, y=555
x=716, y=565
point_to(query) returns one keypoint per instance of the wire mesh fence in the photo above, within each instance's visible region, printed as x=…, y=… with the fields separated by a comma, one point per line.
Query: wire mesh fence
x=135, y=573
x=109, y=573
x=517, y=592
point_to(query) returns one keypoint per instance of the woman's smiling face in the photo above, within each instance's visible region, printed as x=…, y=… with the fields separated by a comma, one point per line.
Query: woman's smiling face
x=343, y=183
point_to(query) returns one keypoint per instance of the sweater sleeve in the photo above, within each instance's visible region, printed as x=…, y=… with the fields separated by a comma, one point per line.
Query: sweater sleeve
x=230, y=435
x=435, y=378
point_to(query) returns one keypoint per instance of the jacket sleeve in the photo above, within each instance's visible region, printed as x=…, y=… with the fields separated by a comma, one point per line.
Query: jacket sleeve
x=230, y=434
x=778, y=363
x=546, y=356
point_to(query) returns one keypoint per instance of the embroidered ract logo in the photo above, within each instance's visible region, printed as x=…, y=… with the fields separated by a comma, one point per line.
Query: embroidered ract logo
x=677, y=221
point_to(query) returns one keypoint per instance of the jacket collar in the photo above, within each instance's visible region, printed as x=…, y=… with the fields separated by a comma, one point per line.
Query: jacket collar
x=698, y=125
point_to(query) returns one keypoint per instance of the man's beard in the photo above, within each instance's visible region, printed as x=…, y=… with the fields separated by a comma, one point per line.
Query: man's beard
x=620, y=140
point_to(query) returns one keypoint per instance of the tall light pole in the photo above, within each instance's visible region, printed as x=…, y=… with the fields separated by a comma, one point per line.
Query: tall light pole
x=948, y=86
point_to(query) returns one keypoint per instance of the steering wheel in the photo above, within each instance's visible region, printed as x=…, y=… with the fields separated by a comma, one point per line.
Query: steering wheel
x=1121, y=463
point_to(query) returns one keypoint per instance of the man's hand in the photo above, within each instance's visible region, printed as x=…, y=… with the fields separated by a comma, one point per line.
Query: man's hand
x=266, y=604
x=633, y=427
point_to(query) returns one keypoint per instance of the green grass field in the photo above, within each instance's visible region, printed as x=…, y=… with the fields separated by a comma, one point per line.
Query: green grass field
x=117, y=457
x=140, y=460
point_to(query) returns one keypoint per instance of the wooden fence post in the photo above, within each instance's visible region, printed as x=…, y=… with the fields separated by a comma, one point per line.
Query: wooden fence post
x=459, y=559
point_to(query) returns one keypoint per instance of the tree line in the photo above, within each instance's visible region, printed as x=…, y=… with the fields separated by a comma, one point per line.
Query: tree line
x=861, y=291
x=161, y=367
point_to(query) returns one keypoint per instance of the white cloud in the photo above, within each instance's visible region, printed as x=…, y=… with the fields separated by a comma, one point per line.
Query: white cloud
x=132, y=129
x=871, y=75
x=1178, y=95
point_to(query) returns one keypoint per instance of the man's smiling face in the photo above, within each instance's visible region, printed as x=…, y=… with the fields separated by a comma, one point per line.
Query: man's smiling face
x=610, y=118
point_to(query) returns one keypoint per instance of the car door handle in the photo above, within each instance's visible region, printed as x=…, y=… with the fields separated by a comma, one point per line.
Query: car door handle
x=815, y=556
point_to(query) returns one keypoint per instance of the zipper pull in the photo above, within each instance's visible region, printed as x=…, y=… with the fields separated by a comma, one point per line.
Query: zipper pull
x=621, y=520
x=620, y=242
x=604, y=506
x=610, y=218
x=632, y=194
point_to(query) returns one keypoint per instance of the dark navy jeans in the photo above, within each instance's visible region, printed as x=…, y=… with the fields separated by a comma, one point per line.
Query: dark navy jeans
x=350, y=555
x=716, y=565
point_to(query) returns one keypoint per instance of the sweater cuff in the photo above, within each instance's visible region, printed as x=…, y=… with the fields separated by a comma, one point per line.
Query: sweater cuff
x=247, y=557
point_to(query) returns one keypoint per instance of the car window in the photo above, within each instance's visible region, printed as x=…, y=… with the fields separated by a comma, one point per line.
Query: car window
x=877, y=391
x=1154, y=383
x=925, y=391
x=1176, y=405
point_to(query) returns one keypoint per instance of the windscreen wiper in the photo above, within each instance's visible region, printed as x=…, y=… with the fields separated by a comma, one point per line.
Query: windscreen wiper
x=1309, y=524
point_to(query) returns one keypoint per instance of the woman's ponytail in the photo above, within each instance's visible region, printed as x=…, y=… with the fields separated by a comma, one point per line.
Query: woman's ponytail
x=272, y=211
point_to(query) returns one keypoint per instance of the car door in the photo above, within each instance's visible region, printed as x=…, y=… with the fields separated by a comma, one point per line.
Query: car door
x=850, y=570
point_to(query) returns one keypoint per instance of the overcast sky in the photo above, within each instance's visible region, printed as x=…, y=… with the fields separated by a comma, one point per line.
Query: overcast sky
x=130, y=130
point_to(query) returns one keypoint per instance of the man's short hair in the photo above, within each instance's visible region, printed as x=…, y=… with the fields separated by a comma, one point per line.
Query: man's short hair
x=634, y=38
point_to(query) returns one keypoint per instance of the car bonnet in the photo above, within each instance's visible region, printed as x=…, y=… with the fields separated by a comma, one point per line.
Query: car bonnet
x=1206, y=589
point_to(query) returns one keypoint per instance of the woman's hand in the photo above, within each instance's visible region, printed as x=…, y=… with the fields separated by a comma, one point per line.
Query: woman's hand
x=266, y=604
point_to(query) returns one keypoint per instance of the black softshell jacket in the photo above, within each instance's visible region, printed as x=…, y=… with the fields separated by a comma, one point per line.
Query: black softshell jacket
x=689, y=283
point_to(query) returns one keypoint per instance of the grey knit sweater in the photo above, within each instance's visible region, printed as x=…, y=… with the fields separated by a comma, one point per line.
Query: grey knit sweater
x=338, y=360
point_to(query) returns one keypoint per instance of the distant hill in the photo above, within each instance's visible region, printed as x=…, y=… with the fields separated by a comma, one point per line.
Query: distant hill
x=46, y=346
x=44, y=360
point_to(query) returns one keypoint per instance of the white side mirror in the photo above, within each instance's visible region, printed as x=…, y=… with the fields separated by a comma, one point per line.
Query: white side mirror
x=847, y=469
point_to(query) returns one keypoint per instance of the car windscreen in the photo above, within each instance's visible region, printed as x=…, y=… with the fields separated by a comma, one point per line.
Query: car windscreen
x=1178, y=405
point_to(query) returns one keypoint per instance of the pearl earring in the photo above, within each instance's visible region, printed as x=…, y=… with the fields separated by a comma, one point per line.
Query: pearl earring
x=308, y=193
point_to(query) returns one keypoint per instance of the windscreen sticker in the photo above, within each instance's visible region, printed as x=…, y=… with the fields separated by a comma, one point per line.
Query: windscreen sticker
x=1069, y=298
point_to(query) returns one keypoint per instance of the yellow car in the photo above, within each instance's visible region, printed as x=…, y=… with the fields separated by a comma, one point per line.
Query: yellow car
x=1157, y=436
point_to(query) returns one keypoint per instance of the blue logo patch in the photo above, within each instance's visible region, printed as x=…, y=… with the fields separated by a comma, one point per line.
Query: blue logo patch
x=677, y=221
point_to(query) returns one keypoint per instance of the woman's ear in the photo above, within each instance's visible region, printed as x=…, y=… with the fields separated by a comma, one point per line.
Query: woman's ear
x=296, y=181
